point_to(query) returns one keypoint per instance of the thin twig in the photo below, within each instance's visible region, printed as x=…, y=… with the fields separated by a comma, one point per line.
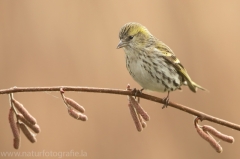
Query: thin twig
x=194, y=112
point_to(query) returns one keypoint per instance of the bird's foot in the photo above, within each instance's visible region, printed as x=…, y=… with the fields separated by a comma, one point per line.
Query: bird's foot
x=136, y=92
x=166, y=101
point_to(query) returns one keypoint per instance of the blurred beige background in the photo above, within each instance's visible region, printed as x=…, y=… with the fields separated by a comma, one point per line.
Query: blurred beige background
x=54, y=43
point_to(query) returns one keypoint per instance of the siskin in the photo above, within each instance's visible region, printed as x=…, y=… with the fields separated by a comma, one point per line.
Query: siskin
x=152, y=63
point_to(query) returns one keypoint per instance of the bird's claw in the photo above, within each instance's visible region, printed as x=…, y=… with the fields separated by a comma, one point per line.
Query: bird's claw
x=136, y=92
x=166, y=102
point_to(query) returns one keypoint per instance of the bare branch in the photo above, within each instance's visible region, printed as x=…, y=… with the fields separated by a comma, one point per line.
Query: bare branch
x=201, y=115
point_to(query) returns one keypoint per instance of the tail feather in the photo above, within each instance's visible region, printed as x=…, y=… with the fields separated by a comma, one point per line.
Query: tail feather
x=194, y=86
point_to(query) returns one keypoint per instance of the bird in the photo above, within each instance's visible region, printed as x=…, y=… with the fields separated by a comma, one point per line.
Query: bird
x=151, y=63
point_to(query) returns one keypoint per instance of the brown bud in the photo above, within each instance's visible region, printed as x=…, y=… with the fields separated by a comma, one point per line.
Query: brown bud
x=16, y=143
x=139, y=109
x=75, y=105
x=128, y=87
x=135, y=117
x=143, y=123
x=79, y=116
x=30, y=136
x=218, y=134
x=34, y=127
x=24, y=112
x=209, y=139
x=13, y=125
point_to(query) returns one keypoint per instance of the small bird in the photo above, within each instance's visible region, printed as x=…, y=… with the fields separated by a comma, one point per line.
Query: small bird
x=151, y=63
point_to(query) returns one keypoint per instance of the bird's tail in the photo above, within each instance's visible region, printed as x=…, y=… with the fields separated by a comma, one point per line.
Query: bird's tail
x=194, y=86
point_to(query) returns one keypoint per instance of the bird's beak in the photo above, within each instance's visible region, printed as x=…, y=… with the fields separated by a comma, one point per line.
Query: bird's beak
x=121, y=44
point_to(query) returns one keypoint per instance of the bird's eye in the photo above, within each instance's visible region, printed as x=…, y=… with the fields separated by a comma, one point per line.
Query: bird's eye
x=130, y=37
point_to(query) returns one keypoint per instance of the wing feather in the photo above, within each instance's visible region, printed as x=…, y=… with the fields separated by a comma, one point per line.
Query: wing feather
x=168, y=55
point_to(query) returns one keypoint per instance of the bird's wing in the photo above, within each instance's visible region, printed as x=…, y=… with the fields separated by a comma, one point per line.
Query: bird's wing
x=168, y=54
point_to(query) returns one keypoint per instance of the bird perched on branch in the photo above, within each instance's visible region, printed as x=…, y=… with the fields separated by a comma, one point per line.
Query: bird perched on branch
x=152, y=63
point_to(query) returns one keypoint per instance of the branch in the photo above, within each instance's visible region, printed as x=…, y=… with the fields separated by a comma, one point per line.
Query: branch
x=202, y=116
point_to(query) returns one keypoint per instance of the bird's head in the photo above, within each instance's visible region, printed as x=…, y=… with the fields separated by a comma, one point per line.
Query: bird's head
x=133, y=35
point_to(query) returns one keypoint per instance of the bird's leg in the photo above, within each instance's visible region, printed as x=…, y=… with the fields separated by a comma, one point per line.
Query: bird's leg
x=166, y=101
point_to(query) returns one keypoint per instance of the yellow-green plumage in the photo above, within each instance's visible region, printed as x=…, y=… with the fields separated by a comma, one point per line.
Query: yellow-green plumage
x=151, y=62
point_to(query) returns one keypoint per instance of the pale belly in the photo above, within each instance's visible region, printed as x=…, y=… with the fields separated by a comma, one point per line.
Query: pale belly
x=160, y=78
